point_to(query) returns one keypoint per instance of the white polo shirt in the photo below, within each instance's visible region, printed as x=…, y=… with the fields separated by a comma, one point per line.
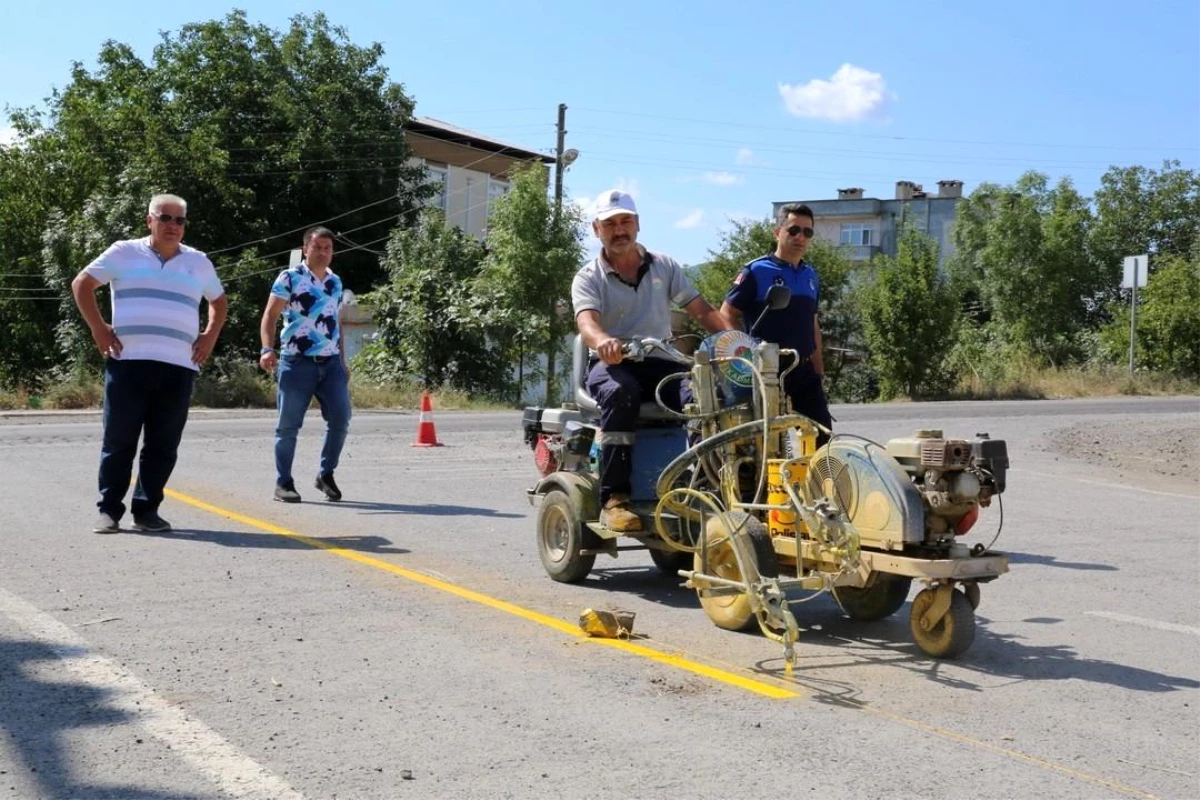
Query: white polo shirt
x=156, y=303
x=627, y=311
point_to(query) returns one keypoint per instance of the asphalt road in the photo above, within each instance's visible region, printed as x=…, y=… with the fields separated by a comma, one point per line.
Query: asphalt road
x=406, y=642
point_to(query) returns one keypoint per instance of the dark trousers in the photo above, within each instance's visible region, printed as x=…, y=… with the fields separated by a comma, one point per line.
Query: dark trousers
x=148, y=399
x=620, y=390
x=804, y=389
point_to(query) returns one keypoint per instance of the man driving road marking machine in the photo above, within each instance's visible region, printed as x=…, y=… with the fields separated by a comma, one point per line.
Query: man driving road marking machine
x=626, y=292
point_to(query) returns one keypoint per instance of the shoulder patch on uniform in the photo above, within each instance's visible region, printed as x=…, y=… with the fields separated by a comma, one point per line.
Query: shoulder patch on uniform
x=739, y=277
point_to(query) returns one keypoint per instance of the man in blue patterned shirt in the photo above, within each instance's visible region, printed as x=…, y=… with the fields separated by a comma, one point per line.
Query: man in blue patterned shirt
x=310, y=362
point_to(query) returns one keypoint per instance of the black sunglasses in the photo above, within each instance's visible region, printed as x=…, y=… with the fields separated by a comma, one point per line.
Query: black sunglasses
x=795, y=230
x=169, y=218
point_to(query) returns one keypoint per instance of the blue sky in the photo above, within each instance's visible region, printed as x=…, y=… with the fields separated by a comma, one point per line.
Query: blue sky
x=710, y=110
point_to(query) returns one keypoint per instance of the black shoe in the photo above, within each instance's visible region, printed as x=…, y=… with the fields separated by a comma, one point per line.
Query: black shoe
x=286, y=492
x=325, y=484
x=150, y=521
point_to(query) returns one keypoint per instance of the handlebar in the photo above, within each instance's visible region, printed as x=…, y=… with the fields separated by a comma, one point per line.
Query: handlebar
x=639, y=349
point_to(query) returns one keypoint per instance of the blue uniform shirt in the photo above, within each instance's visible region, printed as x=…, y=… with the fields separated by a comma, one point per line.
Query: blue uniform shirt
x=790, y=327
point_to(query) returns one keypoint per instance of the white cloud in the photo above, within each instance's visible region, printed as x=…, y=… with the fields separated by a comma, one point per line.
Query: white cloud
x=721, y=178
x=744, y=156
x=692, y=220
x=7, y=135
x=852, y=94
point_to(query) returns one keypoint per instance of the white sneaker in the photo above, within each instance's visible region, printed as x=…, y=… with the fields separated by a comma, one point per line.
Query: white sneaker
x=106, y=524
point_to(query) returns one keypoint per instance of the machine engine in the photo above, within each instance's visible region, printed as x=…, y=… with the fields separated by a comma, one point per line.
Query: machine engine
x=955, y=477
x=559, y=439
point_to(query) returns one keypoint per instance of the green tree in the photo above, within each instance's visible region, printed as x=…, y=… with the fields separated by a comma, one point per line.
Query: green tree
x=1141, y=210
x=534, y=250
x=263, y=132
x=433, y=327
x=1168, y=320
x=745, y=241
x=28, y=303
x=1023, y=252
x=910, y=314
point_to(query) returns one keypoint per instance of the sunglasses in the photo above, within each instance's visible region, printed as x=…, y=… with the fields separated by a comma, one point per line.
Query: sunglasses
x=796, y=230
x=169, y=218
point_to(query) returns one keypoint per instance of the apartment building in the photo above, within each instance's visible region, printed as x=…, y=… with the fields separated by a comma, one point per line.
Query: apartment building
x=470, y=169
x=868, y=226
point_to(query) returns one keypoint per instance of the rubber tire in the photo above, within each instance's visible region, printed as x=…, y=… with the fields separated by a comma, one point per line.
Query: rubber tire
x=733, y=612
x=561, y=535
x=953, y=635
x=881, y=599
x=669, y=563
x=971, y=590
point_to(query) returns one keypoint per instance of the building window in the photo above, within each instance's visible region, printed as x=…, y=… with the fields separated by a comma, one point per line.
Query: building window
x=439, y=177
x=856, y=233
x=496, y=190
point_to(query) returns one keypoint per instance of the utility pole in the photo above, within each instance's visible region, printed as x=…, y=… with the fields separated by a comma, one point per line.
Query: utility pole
x=558, y=159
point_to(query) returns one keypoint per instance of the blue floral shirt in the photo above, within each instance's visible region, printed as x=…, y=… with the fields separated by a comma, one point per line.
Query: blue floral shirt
x=310, y=318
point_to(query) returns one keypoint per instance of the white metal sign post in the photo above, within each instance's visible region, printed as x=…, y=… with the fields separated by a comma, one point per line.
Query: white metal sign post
x=1135, y=271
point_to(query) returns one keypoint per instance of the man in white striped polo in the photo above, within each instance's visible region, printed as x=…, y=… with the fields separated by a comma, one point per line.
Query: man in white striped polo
x=153, y=350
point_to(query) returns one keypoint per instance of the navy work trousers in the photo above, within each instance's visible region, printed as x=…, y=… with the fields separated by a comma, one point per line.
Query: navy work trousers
x=620, y=390
x=804, y=389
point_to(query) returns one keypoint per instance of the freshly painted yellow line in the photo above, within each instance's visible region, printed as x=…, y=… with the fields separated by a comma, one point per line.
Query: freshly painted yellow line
x=633, y=648
x=559, y=625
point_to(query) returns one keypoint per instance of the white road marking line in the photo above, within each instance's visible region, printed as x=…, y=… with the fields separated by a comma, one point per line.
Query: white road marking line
x=1105, y=483
x=1147, y=623
x=231, y=770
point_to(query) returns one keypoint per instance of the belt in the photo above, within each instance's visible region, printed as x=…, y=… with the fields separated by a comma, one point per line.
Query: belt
x=314, y=359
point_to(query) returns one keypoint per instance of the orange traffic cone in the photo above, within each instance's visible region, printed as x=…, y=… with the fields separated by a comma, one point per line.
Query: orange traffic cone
x=426, y=435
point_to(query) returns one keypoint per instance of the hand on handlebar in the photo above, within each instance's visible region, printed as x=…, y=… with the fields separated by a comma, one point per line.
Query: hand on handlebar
x=610, y=351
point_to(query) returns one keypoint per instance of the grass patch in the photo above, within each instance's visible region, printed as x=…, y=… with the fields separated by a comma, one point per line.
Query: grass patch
x=73, y=395
x=233, y=383
x=1044, y=383
x=18, y=398
x=408, y=397
x=243, y=385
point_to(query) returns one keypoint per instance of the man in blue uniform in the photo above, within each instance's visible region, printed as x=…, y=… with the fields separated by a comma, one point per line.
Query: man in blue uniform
x=796, y=327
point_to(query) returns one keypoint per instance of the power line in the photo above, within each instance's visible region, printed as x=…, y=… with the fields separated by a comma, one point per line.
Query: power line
x=856, y=153
x=378, y=202
x=880, y=136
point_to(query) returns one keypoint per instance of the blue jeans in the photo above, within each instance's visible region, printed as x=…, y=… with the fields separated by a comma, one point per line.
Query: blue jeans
x=301, y=378
x=148, y=399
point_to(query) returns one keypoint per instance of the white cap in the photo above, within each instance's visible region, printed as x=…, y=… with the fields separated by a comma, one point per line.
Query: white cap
x=612, y=203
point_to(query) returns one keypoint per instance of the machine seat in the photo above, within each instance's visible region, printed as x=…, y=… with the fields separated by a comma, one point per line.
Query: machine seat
x=648, y=412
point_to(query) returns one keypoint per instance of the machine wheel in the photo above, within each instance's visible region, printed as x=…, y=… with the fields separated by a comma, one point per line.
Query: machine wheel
x=875, y=601
x=733, y=612
x=669, y=563
x=952, y=636
x=971, y=590
x=561, y=537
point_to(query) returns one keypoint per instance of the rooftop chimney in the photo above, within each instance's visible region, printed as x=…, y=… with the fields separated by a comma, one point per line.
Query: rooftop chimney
x=855, y=193
x=904, y=190
x=949, y=189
